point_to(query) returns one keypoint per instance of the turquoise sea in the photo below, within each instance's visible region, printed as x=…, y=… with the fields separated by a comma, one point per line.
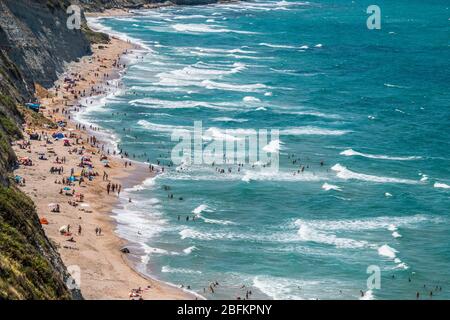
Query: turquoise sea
x=372, y=105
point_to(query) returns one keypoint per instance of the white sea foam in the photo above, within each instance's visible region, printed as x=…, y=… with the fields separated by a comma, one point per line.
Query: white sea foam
x=152, y=103
x=213, y=85
x=441, y=185
x=163, y=127
x=222, y=51
x=281, y=288
x=251, y=99
x=395, y=234
x=392, y=227
x=191, y=16
x=216, y=221
x=390, y=223
x=200, y=209
x=402, y=266
x=190, y=249
x=203, y=71
x=196, y=74
x=389, y=85
x=147, y=184
x=280, y=46
x=351, y=152
x=214, y=133
x=307, y=233
x=328, y=187
x=271, y=175
x=344, y=173
x=148, y=251
x=168, y=269
x=387, y=251
x=228, y=119
x=198, y=28
x=161, y=89
x=299, y=131
x=310, y=113
x=273, y=147
x=189, y=233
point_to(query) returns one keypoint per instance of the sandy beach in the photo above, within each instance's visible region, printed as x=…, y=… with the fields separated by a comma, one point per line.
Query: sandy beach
x=105, y=272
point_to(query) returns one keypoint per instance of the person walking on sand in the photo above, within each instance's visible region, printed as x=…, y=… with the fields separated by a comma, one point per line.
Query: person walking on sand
x=79, y=230
x=96, y=231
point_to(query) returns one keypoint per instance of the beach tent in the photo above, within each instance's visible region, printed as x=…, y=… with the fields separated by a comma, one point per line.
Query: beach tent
x=58, y=135
x=43, y=221
x=63, y=230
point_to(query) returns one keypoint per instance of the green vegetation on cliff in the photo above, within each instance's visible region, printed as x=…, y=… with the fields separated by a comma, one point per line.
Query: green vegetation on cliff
x=30, y=266
x=26, y=270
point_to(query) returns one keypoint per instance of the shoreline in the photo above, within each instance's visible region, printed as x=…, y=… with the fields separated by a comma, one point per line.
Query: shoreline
x=105, y=272
x=133, y=262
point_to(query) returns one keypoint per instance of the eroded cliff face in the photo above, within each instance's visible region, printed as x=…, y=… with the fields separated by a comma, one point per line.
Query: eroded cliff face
x=35, y=36
x=34, y=46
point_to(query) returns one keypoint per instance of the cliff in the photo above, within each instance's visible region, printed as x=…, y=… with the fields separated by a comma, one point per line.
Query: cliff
x=35, y=44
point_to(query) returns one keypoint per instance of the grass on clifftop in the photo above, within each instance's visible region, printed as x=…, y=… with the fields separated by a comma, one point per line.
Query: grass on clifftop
x=94, y=37
x=25, y=273
x=36, y=119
